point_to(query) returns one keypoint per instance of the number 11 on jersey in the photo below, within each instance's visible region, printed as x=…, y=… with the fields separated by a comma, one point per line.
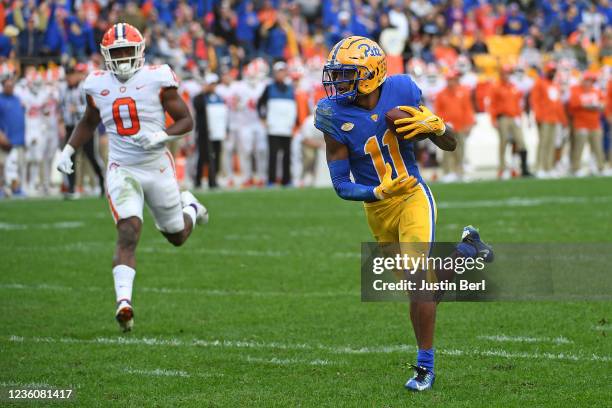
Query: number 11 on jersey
x=372, y=147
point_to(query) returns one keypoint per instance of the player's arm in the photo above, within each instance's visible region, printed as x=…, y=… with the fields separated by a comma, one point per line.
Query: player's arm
x=339, y=169
x=179, y=112
x=447, y=141
x=82, y=133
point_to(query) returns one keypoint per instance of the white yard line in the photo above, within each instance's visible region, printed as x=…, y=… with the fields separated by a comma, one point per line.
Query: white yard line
x=37, y=385
x=175, y=291
x=158, y=372
x=347, y=350
x=5, y=226
x=502, y=338
x=287, y=361
x=602, y=327
x=525, y=202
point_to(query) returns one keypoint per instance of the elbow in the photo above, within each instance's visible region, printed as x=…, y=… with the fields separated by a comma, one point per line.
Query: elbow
x=343, y=193
x=339, y=192
x=189, y=125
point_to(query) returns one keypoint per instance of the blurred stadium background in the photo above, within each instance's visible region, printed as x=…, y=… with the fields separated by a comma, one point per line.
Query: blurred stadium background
x=226, y=51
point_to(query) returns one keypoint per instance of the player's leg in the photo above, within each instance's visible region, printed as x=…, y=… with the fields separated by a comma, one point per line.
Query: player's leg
x=519, y=139
x=596, y=144
x=261, y=155
x=503, y=142
x=50, y=148
x=246, y=143
x=286, y=148
x=126, y=200
x=416, y=233
x=204, y=158
x=228, y=157
x=34, y=156
x=549, y=151
x=579, y=141
x=175, y=213
x=215, y=162
x=272, y=158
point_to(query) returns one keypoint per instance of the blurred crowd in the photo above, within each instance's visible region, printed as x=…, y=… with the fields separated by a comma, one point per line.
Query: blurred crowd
x=520, y=63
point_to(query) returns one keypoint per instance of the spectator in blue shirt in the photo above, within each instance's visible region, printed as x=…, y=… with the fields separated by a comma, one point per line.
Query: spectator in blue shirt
x=55, y=38
x=6, y=46
x=274, y=41
x=165, y=10
x=12, y=124
x=605, y=8
x=247, y=26
x=30, y=40
x=80, y=35
x=571, y=21
x=342, y=29
x=516, y=23
x=12, y=114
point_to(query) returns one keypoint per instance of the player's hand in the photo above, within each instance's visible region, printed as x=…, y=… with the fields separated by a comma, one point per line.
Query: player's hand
x=150, y=140
x=390, y=187
x=65, y=160
x=422, y=121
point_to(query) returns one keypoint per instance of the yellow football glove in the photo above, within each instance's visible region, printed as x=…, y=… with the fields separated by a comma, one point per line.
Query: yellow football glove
x=422, y=121
x=390, y=187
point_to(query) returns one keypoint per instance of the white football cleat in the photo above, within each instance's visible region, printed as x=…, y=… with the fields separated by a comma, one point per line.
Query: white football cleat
x=201, y=212
x=125, y=315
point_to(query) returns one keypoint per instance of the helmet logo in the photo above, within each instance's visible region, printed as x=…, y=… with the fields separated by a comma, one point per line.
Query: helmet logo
x=369, y=51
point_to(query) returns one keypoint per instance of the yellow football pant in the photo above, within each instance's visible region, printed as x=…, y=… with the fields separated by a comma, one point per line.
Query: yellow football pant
x=409, y=219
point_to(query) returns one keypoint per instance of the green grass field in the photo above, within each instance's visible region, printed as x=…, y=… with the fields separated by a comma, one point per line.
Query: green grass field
x=262, y=307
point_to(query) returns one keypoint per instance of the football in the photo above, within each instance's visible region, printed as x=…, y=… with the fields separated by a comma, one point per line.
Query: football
x=395, y=114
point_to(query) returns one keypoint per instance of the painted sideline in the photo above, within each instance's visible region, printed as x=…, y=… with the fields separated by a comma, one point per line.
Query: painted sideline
x=346, y=350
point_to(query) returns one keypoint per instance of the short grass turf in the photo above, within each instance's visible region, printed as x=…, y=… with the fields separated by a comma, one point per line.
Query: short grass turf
x=262, y=306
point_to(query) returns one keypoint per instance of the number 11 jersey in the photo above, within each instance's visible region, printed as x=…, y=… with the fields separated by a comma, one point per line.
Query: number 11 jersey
x=365, y=134
x=130, y=108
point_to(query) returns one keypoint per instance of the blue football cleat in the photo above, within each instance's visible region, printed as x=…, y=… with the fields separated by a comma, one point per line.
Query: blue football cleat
x=423, y=379
x=470, y=236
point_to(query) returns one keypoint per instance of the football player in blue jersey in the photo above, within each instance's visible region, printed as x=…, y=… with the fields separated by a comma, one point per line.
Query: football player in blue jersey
x=398, y=204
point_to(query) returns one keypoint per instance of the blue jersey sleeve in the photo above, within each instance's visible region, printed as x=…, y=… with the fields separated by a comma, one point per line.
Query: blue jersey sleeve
x=340, y=173
x=407, y=91
x=324, y=120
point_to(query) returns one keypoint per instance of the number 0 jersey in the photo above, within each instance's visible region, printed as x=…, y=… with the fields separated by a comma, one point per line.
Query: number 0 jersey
x=365, y=133
x=130, y=108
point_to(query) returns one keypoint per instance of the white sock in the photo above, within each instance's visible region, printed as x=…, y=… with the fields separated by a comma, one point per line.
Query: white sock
x=191, y=212
x=124, y=278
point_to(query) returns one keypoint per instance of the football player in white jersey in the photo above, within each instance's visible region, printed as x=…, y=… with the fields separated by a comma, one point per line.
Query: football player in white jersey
x=37, y=101
x=130, y=99
x=252, y=137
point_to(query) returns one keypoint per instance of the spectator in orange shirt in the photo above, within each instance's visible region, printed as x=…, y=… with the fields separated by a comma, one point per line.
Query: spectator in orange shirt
x=609, y=102
x=549, y=115
x=454, y=104
x=506, y=111
x=609, y=115
x=585, y=105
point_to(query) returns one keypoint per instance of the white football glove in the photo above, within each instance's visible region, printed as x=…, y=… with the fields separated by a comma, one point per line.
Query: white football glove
x=150, y=140
x=65, y=162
